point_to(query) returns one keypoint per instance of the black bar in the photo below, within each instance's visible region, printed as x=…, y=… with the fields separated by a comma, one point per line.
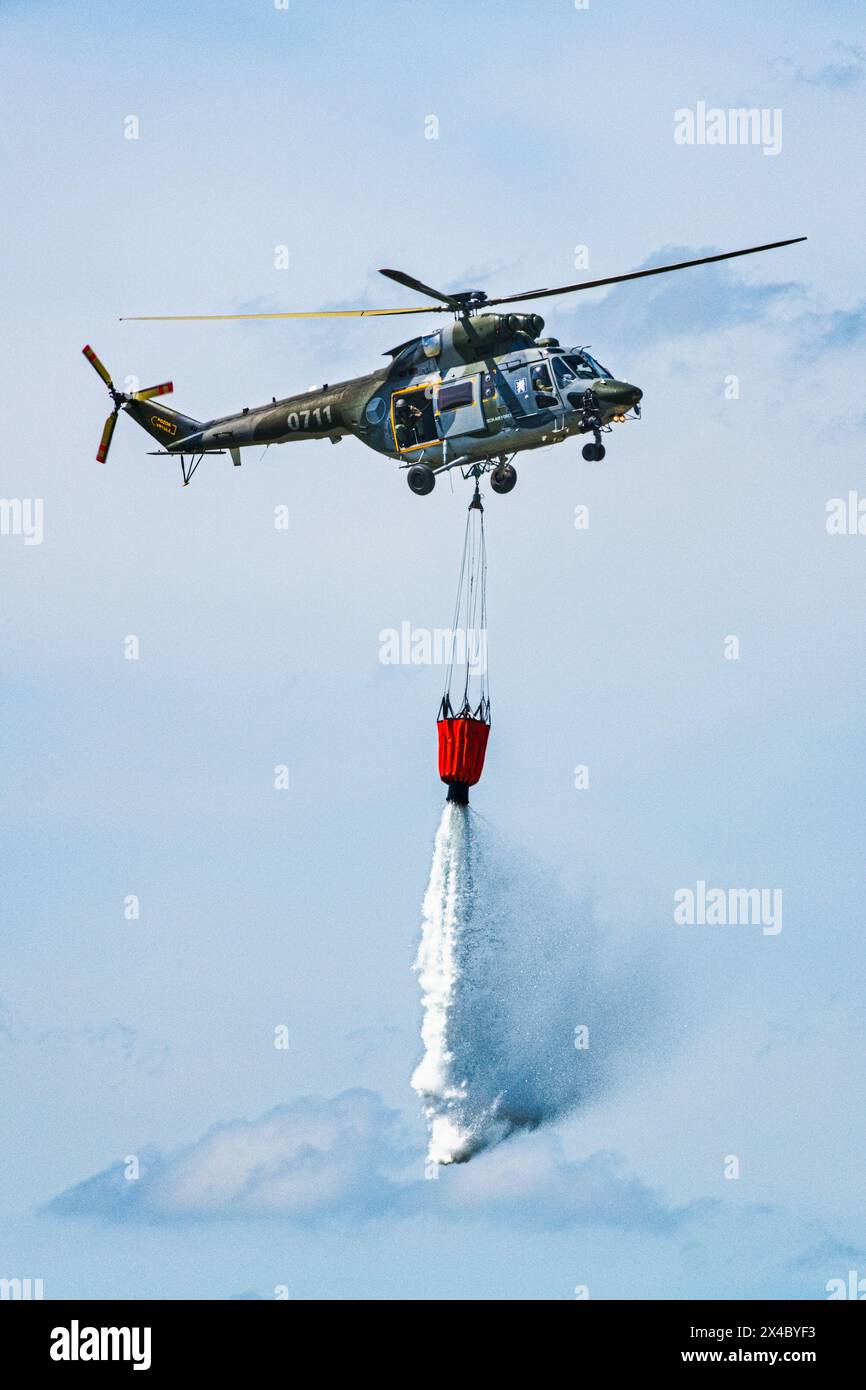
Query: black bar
x=221, y=1338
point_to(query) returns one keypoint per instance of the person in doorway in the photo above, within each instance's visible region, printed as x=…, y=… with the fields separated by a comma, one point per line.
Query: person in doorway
x=402, y=430
x=414, y=422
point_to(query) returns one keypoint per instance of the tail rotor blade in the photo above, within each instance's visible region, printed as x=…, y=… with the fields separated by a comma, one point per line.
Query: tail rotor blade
x=105, y=441
x=165, y=389
x=98, y=366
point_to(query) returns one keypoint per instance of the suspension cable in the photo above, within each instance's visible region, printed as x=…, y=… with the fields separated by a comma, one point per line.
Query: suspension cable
x=471, y=608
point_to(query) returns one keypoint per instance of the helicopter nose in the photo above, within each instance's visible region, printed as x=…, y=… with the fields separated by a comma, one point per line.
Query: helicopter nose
x=618, y=393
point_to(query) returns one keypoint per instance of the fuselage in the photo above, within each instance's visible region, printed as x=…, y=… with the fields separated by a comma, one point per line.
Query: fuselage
x=479, y=387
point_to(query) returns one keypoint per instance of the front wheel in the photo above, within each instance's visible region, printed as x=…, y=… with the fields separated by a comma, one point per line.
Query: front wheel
x=503, y=478
x=593, y=453
x=421, y=479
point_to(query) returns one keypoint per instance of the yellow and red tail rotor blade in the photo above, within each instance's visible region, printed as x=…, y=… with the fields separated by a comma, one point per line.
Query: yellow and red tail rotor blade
x=165, y=389
x=105, y=441
x=97, y=366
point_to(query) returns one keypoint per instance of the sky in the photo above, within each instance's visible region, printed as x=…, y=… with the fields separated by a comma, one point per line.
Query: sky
x=300, y=1168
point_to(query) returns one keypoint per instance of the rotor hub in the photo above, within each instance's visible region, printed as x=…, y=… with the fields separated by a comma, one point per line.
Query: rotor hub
x=469, y=300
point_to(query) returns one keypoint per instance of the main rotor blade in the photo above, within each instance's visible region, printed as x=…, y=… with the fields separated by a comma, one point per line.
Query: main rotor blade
x=97, y=365
x=305, y=314
x=164, y=390
x=105, y=441
x=639, y=274
x=412, y=284
x=449, y=303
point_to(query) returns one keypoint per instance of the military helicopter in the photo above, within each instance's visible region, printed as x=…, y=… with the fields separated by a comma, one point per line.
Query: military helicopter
x=469, y=396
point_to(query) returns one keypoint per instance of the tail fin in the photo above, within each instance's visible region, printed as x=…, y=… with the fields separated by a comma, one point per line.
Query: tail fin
x=161, y=421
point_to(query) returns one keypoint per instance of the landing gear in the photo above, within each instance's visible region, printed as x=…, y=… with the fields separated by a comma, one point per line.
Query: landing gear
x=503, y=478
x=503, y=475
x=594, y=452
x=421, y=479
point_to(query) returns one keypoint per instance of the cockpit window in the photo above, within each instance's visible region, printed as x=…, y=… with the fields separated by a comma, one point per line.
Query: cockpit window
x=599, y=369
x=570, y=369
x=577, y=367
x=542, y=385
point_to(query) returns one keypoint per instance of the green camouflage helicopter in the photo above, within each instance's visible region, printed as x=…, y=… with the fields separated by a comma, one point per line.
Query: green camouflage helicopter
x=470, y=395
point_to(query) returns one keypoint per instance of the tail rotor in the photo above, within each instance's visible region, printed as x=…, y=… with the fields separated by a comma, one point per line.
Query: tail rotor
x=165, y=389
x=105, y=441
x=120, y=399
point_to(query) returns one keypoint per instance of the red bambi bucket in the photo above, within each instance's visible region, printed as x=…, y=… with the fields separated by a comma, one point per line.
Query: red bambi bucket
x=462, y=745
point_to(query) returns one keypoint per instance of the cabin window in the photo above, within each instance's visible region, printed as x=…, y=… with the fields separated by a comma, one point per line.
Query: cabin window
x=432, y=344
x=455, y=395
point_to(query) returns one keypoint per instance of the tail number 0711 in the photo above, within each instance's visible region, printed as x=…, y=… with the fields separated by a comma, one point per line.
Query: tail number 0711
x=306, y=419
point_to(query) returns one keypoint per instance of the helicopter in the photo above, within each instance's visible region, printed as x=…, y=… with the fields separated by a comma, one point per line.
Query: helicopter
x=470, y=395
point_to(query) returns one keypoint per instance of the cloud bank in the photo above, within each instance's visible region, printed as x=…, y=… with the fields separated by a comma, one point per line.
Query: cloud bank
x=346, y=1158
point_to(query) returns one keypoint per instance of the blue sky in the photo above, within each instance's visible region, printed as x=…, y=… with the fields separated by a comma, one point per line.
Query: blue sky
x=305, y=128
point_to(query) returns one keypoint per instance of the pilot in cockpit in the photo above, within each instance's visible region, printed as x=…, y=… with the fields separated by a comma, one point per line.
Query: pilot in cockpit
x=543, y=386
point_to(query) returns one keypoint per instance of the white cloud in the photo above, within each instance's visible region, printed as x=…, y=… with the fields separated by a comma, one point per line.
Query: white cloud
x=347, y=1158
x=308, y=1160
x=533, y=1181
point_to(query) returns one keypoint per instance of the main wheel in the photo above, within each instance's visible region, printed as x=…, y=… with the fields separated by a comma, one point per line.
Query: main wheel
x=503, y=478
x=421, y=479
x=593, y=453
